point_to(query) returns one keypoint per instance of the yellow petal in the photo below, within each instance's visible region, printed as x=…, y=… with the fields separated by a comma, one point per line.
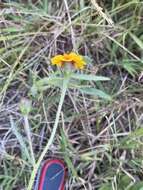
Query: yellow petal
x=79, y=64
x=57, y=60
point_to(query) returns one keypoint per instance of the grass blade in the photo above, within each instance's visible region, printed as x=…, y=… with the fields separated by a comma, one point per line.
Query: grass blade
x=137, y=40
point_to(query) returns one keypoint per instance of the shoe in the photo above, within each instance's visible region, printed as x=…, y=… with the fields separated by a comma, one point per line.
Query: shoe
x=51, y=176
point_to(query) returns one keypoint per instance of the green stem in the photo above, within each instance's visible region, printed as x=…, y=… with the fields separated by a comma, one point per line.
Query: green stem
x=51, y=139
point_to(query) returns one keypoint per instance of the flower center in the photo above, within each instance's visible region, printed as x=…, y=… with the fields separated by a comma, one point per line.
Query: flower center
x=67, y=57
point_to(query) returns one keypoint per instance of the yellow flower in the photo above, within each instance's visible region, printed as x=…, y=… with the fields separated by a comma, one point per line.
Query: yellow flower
x=69, y=58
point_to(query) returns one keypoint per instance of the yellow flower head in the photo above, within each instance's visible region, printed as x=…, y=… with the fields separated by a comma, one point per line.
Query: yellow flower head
x=69, y=58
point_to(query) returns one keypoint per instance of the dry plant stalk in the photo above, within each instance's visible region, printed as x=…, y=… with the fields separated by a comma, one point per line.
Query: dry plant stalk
x=101, y=13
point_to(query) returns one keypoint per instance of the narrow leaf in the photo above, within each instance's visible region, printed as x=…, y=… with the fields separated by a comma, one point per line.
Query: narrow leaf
x=137, y=40
x=45, y=83
x=96, y=92
x=20, y=139
x=89, y=77
x=49, y=80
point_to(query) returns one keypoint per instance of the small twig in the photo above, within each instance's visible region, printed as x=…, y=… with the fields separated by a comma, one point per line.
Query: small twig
x=71, y=28
x=101, y=13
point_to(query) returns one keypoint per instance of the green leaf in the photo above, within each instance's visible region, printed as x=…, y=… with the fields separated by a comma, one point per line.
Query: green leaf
x=137, y=133
x=12, y=29
x=123, y=181
x=106, y=186
x=57, y=81
x=137, y=186
x=130, y=67
x=130, y=142
x=96, y=92
x=45, y=83
x=137, y=40
x=24, y=148
x=89, y=77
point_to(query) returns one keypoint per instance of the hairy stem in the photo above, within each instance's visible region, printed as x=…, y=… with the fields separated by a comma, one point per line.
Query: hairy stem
x=51, y=139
